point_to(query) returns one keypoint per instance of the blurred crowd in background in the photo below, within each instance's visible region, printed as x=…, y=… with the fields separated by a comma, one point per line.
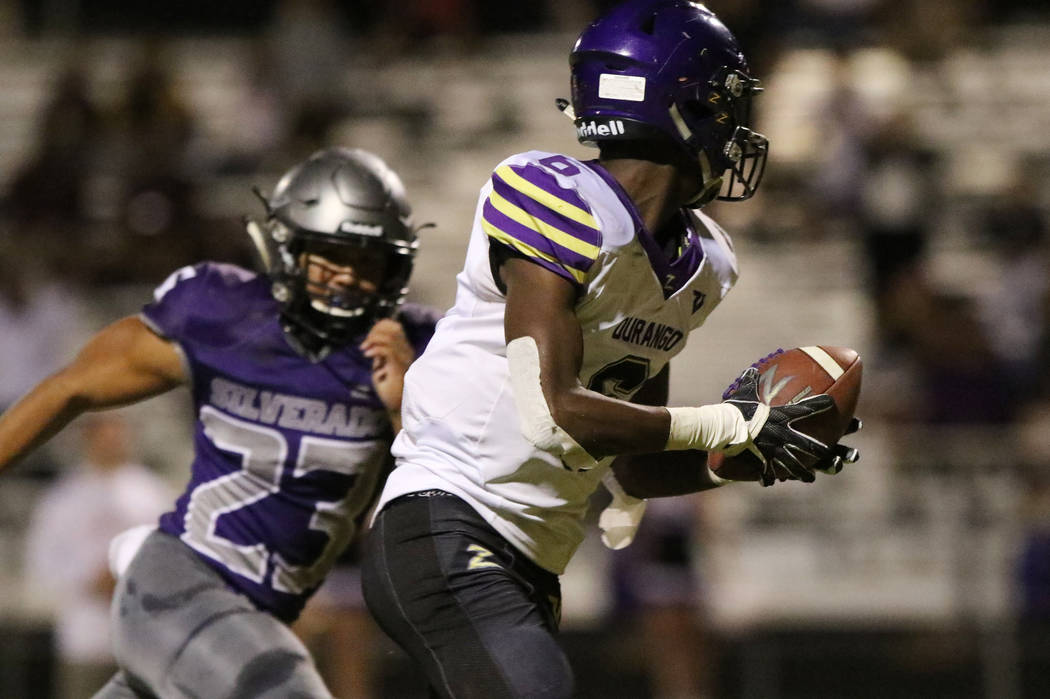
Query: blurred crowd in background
x=906, y=212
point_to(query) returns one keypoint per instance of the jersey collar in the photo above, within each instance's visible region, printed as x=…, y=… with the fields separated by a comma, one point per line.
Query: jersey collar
x=672, y=274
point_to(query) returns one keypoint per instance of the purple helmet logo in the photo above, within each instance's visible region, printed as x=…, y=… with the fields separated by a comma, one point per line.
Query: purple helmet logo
x=652, y=69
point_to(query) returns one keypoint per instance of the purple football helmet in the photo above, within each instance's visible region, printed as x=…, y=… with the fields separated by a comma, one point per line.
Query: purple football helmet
x=651, y=69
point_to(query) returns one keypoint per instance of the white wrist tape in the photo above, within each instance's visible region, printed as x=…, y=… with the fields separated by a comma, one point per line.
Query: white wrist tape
x=537, y=423
x=720, y=427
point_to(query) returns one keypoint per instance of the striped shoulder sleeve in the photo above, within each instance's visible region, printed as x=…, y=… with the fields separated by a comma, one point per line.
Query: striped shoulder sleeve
x=529, y=211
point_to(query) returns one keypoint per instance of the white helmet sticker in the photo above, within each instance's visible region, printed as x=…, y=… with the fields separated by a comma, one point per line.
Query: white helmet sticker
x=621, y=87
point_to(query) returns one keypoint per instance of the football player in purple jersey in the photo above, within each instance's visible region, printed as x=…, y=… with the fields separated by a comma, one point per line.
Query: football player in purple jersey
x=296, y=378
x=582, y=280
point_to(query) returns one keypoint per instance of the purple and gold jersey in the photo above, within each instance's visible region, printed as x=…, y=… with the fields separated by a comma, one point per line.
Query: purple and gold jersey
x=288, y=453
x=635, y=305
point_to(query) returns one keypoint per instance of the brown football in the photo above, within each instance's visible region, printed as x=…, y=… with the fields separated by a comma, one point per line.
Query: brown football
x=789, y=376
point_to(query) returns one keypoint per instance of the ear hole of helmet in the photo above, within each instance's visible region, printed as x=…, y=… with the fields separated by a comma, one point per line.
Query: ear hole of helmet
x=710, y=128
x=398, y=270
x=695, y=110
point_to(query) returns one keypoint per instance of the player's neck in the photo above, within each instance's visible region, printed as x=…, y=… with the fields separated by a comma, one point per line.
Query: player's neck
x=656, y=189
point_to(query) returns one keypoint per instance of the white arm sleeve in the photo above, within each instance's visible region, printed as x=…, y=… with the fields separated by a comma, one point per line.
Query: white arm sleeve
x=537, y=423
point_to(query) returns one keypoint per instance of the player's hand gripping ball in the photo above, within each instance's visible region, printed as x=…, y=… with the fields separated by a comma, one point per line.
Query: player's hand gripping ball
x=786, y=378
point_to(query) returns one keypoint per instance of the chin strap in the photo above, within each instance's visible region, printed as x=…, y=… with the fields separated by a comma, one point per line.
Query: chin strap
x=706, y=194
x=304, y=342
x=711, y=185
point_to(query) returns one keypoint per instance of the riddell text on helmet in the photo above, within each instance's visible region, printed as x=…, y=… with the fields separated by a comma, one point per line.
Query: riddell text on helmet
x=593, y=128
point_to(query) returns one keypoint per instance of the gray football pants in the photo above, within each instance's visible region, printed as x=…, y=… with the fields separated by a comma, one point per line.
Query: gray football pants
x=179, y=631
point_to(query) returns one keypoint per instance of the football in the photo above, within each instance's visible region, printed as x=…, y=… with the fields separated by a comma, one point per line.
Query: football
x=787, y=376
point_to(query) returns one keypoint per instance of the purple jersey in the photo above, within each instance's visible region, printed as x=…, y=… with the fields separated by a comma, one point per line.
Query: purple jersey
x=288, y=453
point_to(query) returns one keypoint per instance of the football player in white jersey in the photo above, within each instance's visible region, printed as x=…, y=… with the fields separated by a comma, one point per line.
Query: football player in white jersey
x=582, y=279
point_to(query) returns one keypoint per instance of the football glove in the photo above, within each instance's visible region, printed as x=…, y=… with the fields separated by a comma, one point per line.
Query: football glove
x=840, y=454
x=783, y=450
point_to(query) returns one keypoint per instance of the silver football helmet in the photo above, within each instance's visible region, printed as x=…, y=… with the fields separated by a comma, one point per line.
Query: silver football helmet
x=340, y=205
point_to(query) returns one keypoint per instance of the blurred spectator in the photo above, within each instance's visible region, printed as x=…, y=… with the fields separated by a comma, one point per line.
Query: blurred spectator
x=845, y=127
x=262, y=121
x=158, y=224
x=834, y=23
x=1033, y=569
x=897, y=206
x=567, y=16
x=40, y=323
x=963, y=380
x=49, y=186
x=1017, y=309
x=46, y=196
x=941, y=368
x=505, y=17
x=656, y=587
x=155, y=117
x=429, y=20
x=68, y=541
x=759, y=27
x=928, y=31
x=311, y=48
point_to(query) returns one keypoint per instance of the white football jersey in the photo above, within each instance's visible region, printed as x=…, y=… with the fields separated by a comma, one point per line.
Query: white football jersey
x=635, y=308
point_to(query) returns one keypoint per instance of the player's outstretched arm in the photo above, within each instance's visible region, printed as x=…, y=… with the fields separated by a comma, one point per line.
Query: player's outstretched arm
x=124, y=363
x=558, y=414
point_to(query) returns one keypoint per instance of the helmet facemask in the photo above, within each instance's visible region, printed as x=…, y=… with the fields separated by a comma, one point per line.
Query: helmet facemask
x=714, y=126
x=335, y=291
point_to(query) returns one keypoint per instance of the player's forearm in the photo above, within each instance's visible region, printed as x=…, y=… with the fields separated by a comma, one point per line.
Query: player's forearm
x=664, y=474
x=122, y=364
x=605, y=426
x=37, y=417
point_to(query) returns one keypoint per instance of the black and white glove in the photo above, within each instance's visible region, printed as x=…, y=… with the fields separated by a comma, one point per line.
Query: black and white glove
x=840, y=453
x=783, y=450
